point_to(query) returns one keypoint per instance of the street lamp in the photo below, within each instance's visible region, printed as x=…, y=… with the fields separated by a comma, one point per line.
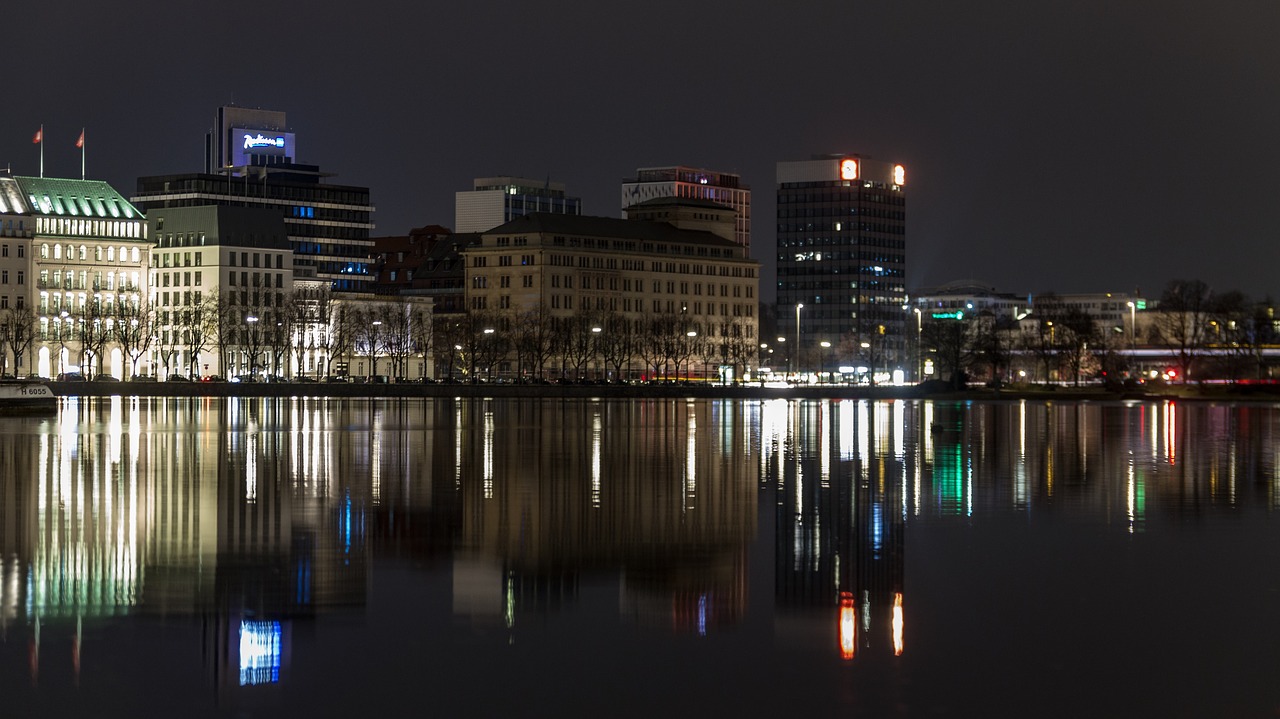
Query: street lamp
x=919, y=358
x=799, y=306
x=252, y=321
x=595, y=347
x=823, y=361
x=692, y=338
x=1133, y=321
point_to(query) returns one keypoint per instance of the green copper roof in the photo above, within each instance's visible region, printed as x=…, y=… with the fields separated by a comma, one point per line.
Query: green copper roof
x=76, y=198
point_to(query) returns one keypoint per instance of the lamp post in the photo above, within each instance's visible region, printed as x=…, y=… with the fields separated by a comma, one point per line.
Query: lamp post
x=1133, y=322
x=826, y=347
x=693, y=338
x=252, y=321
x=799, y=306
x=595, y=346
x=919, y=357
x=373, y=349
x=783, y=341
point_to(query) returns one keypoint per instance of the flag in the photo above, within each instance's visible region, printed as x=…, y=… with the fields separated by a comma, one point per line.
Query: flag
x=80, y=141
x=39, y=136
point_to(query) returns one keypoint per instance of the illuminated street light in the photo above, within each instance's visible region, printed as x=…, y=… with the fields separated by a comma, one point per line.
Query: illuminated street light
x=799, y=306
x=823, y=360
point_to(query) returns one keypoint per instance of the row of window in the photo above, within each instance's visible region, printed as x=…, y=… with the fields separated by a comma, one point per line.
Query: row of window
x=176, y=259
x=81, y=253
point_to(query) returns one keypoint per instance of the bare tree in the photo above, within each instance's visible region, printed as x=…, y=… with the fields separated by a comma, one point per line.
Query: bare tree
x=200, y=328
x=950, y=340
x=134, y=327
x=96, y=333
x=18, y=332
x=1182, y=320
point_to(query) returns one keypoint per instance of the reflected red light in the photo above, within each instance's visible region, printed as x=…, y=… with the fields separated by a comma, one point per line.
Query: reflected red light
x=848, y=626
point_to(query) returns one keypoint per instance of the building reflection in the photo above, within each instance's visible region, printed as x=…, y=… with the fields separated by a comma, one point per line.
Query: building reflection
x=253, y=518
x=841, y=516
x=655, y=497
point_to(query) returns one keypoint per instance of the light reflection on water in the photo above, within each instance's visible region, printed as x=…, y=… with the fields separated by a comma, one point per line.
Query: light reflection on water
x=768, y=529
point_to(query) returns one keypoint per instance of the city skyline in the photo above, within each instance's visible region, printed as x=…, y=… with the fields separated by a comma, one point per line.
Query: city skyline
x=1048, y=149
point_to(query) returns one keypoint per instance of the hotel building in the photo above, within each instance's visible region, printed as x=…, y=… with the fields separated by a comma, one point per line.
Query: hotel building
x=72, y=259
x=251, y=162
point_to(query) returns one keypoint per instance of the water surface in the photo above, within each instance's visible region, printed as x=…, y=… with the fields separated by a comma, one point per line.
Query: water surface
x=313, y=557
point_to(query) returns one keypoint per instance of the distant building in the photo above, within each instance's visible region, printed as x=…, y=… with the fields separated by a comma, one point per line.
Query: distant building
x=240, y=255
x=425, y=263
x=686, y=214
x=495, y=200
x=842, y=260
x=680, y=182
x=251, y=161
x=650, y=282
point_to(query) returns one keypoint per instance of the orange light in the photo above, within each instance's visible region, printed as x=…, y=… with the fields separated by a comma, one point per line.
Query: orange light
x=848, y=626
x=897, y=624
x=899, y=175
x=849, y=170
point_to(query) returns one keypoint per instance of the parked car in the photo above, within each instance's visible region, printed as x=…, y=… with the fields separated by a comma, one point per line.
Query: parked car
x=334, y=378
x=70, y=377
x=105, y=378
x=213, y=378
x=245, y=378
x=142, y=378
x=177, y=378
x=304, y=380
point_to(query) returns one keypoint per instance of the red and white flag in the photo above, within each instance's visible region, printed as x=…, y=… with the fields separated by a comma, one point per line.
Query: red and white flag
x=80, y=141
x=39, y=137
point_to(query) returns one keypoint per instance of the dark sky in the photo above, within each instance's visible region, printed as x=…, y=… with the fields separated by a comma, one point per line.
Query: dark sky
x=1069, y=147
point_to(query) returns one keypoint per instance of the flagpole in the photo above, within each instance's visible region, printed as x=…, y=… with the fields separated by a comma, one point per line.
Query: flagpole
x=82, y=153
x=42, y=149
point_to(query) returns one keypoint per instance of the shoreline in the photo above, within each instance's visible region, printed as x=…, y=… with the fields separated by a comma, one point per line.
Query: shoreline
x=1213, y=393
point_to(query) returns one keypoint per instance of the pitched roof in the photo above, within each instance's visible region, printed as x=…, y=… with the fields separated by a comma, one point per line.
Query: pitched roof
x=76, y=198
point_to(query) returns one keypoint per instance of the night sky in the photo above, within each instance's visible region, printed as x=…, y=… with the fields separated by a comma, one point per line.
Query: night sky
x=1068, y=147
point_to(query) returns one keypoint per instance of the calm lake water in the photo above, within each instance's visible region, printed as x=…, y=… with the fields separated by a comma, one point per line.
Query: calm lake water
x=311, y=557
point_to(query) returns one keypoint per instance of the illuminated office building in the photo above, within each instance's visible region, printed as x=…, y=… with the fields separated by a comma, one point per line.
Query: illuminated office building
x=691, y=183
x=250, y=161
x=842, y=254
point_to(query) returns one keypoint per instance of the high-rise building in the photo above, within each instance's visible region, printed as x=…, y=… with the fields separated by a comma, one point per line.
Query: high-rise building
x=251, y=162
x=842, y=261
x=722, y=188
x=495, y=200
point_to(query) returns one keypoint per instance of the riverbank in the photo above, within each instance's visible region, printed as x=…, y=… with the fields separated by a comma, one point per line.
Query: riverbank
x=1226, y=393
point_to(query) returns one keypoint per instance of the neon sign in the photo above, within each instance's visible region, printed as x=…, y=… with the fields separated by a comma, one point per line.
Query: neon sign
x=262, y=141
x=957, y=315
x=849, y=170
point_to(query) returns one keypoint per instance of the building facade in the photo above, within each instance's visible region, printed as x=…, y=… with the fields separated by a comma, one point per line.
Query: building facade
x=73, y=255
x=222, y=289
x=651, y=295
x=678, y=181
x=842, y=261
x=495, y=200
